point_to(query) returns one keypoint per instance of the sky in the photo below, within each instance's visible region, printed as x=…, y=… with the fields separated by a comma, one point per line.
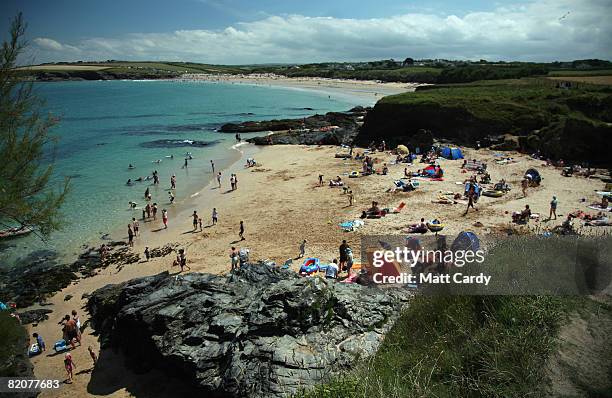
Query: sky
x=302, y=31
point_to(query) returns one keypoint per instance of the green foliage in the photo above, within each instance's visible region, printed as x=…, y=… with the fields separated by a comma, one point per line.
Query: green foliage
x=12, y=344
x=25, y=194
x=468, y=346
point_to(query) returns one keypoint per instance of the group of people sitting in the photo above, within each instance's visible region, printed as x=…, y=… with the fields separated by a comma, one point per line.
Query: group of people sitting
x=250, y=162
x=522, y=217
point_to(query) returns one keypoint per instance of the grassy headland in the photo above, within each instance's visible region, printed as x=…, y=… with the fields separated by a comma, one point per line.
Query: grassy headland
x=572, y=124
x=476, y=346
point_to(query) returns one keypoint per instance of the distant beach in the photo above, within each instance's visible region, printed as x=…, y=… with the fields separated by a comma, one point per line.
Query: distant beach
x=369, y=90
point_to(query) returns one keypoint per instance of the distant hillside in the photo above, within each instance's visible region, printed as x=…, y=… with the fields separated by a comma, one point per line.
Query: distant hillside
x=569, y=123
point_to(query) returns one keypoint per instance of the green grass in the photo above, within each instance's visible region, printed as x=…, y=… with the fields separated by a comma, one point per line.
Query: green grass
x=468, y=346
x=12, y=343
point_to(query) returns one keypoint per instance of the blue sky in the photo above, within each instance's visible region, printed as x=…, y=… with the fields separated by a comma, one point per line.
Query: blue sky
x=242, y=31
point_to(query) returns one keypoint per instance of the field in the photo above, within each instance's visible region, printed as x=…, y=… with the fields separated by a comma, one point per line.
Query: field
x=63, y=68
x=601, y=72
x=602, y=80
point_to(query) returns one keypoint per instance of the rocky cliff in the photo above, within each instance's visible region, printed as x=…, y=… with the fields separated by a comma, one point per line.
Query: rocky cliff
x=260, y=332
x=571, y=124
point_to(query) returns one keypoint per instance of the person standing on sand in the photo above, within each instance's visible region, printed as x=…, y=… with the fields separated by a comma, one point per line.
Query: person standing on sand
x=212, y=164
x=93, y=355
x=343, y=254
x=524, y=185
x=232, y=182
x=182, y=260
x=351, y=198
x=136, y=226
x=147, y=253
x=69, y=365
x=471, y=195
x=70, y=331
x=186, y=163
x=215, y=216
x=195, y=220
x=553, y=208
x=171, y=196
x=219, y=179
x=302, y=249
x=235, y=181
x=235, y=258
x=165, y=218
x=130, y=236
x=154, y=211
x=320, y=180
x=241, y=232
x=148, y=210
x=173, y=182
x=200, y=223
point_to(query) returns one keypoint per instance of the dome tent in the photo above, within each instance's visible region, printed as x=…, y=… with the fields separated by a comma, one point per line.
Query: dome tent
x=451, y=153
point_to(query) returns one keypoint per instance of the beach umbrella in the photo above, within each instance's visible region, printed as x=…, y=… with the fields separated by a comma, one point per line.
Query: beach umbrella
x=402, y=149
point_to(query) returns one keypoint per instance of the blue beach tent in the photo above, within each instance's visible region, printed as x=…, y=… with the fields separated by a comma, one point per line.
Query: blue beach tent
x=466, y=241
x=451, y=153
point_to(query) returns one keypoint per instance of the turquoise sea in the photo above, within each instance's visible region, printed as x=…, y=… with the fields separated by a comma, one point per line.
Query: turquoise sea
x=107, y=125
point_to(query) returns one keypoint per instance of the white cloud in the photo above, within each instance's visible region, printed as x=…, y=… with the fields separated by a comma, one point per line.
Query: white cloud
x=531, y=31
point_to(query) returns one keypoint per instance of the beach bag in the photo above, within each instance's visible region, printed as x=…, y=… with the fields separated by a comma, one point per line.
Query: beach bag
x=60, y=346
x=34, y=350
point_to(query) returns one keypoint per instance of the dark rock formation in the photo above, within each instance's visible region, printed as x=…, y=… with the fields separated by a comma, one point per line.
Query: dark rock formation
x=14, y=361
x=261, y=332
x=34, y=316
x=77, y=75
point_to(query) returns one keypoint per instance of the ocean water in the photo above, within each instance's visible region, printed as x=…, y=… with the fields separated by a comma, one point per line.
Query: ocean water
x=107, y=125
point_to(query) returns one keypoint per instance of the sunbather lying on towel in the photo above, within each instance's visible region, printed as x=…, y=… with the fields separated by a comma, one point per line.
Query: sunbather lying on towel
x=419, y=228
x=600, y=220
x=522, y=216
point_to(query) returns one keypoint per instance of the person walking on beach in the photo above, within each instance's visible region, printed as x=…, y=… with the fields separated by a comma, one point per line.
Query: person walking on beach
x=147, y=253
x=553, y=208
x=200, y=223
x=471, y=197
x=154, y=211
x=235, y=181
x=186, y=163
x=320, y=180
x=212, y=164
x=219, y=179
x=232, y=183
x=302, y=249
x=165, y=218
x=195, y=220
x=215, y=216
x=130, y=236
x=524, y=185
x=148, y=210
x=234, y=256
x=136, y=226
x=241, y=233
x=171, y=197
x=173, y=182
x=351, y=198
x=69, y=365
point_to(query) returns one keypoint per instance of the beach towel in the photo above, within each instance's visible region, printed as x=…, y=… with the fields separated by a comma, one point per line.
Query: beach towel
x=352, y=278
x=399, y=208
x=594, y=207
x=429, y=178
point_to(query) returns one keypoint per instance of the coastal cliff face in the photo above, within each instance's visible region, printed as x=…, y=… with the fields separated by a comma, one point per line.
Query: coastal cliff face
x=261, y=332
x=570, y=124
x=77, y=75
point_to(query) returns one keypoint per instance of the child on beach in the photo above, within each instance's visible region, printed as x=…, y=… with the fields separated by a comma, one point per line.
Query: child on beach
x=173, y=182
x=219, y=179
x=215, y=216
x=39, y=341
x=93, y=355
x=234, y=257
x=147, y=253
x=165, y=218
x=200, y=223
x=241, y=233
x=69, y=365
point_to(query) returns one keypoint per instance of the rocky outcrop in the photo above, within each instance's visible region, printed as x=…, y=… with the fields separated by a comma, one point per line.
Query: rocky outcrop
x=260, y=332
x=77, y=75
x=14, y=361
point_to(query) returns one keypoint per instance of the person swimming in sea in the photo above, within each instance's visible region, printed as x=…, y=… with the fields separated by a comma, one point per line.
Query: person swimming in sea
x=129, y=182
x=131, y=166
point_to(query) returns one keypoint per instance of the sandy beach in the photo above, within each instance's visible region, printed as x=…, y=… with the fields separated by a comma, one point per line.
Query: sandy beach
x=368, y=90
x=281, y=204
